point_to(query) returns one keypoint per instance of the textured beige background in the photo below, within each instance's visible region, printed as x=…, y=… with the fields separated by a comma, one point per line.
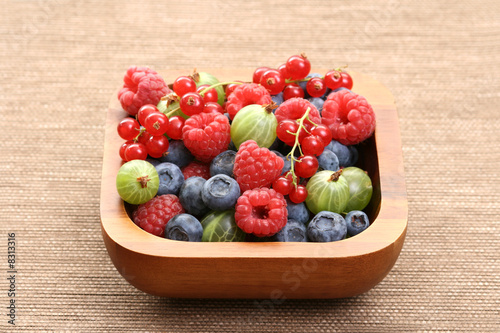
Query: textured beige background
x=60, y=62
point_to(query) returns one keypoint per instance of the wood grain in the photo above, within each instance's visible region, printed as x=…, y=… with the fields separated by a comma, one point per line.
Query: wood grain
x=266, y=270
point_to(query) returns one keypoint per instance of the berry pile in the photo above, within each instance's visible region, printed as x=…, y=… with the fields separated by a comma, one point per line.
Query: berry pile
x=273, y=159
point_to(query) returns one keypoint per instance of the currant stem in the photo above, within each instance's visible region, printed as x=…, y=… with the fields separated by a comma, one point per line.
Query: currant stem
x=142, y=130
x=217, y=85
x=297, y=144
x=172, y=111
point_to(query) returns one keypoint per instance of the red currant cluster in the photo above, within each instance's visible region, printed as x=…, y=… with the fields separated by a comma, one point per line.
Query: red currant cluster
x=195, y=99
x=287, y=76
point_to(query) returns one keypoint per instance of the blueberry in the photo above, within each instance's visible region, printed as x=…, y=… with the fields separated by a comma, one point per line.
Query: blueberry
x=275, y=145
x=353, y=156
x=184, y=227
x=177, y=154
x=341, y=151
x=190, y=196
x=356, y=221
x=220, y=192
x=288, y=164
x=278, y=99
x=153, y=161
x=232, y=146
x=228, y=117
x=317, y=102
x=297, y=212
x=171, y=178
x=326, y=227
x=293, y=231
x=328, y=160
x=223, y=163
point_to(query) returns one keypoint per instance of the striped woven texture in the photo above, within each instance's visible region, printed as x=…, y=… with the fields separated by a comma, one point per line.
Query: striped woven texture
x=61, y=61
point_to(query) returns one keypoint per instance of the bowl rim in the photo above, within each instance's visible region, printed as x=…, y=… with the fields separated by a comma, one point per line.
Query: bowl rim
x=388, y=228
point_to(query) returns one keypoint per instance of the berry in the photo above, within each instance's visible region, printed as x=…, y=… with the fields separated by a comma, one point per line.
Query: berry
x=190, y=196
x=346, y=80
x=230, y=87
x=141, y=86
x=144, y=137
x=298, y=66
x=178, y=154
x=294, y=109
x=153, y=215
x=208, y=96
x=287, y=163
x=220, y=192
x=316, y=87
x=135, y=151
x=175, y=125
x=156, y=123
x=192, y=103
x=184, y=227
x=326, y=227
x=213, y=107
x=273, y=81
x=258, y=74
x=286, y=131
x=196, y=169
x=247, y=94
x=317, y=102
x=183, y=85
x=306, y=166
x=256, y=167
x=298, y=194
x=261, y=212
x=349, y=116
x=303, y=84
x=328, y=161
x=145, y=111
x=356, y=221
x=343, y=153
x=206, y=135
x=354, y=155
x=223, y=163
x=128, y=128
x=312, y=145
x=292, y=90
x=123, y=147
x=171, y=178
x=323, y=132
x=137, y=182
x=293, y=231
x=283, y=71
x=333, y=79
x=278, y=99
x=283, y=185
x=157, y=146
x=297, y=211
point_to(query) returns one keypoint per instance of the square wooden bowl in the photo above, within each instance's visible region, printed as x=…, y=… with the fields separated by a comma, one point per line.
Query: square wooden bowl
x=339, y=269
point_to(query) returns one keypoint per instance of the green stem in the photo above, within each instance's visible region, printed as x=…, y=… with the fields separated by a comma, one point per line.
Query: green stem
x=172, y=111
x=217, y=85
x=296, y=144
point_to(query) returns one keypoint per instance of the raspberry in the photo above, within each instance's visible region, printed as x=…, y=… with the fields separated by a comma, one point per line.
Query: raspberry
x=349, y=116
x=141, y=86
x=244, y=95
x=261, y=212
x=256, y=167
x=206, y=135
x=294, y=108
x=196, y=169
x=153, y=215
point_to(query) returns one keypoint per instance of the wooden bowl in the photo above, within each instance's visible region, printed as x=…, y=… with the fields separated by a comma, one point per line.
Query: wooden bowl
x=274, y=271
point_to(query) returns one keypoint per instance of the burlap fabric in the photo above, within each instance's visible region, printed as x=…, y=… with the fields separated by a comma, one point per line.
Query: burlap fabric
x=60, y=62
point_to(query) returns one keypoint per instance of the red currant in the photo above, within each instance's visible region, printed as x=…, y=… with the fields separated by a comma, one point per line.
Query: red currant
x=128, y=128
x=213, y=107
x=273, y=81
x=298, y=194
x=283, y=185
x=230, y=88
x=316, y=87
x=306, y=166
x=157, y=145
x=156, y=123
x=135, y=151
x=144, y=137
x=191, y=103
x=323, y=132
x=123, y=147
x=175, y=126
x=298, y=66
x=283, y=71
x=183, y=85
x=285, y=131
x=333, y=79
x=210, y=95
x=346, y=80
x=258, y=73
x=292, y=90
x=312, y=145
x=145, y=111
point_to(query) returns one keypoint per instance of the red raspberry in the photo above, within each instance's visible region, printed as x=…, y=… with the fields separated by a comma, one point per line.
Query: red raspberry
x=153, y=215
x=196, y=169
x=256, y=167
x=349, y=116
x=141, y=86
x=247, y=94
x=261, y=212
x=294, y=108
x=206, y=135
